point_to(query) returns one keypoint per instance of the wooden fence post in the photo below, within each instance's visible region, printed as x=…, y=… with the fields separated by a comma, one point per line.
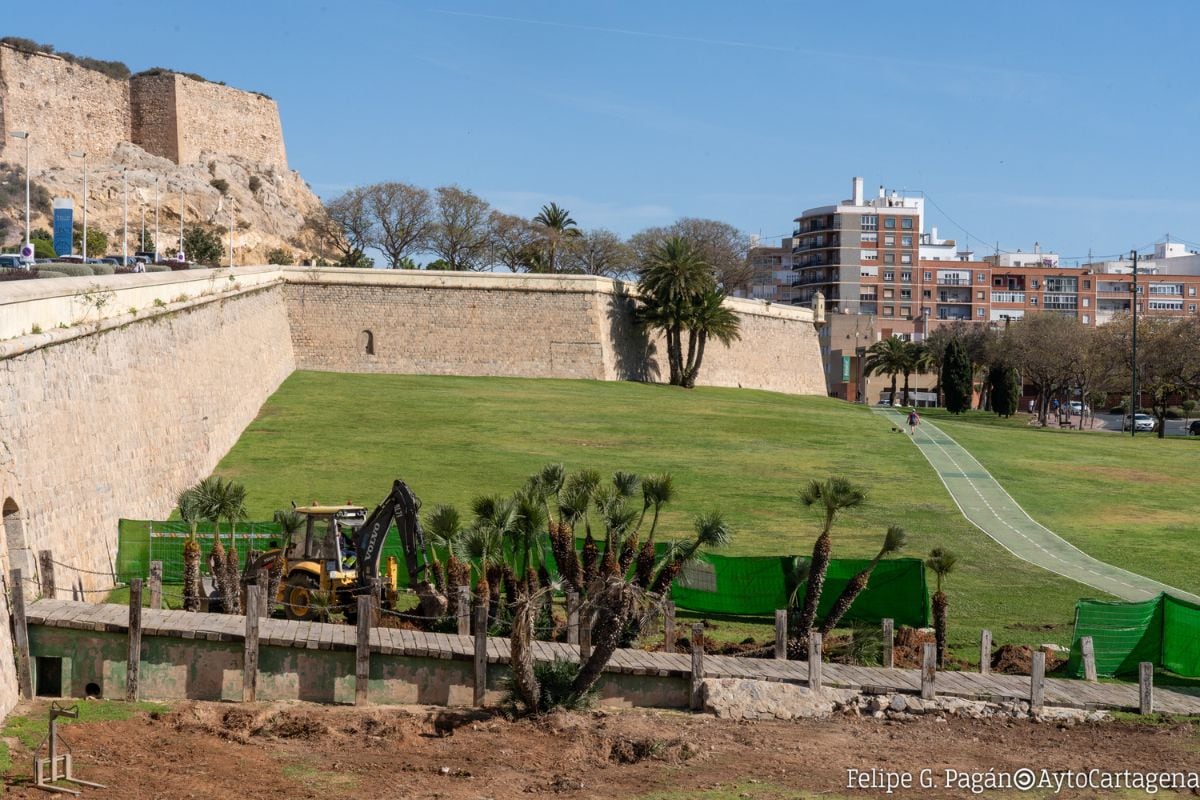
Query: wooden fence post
x=376, y=601
x=480, y=653
x=1146, y=687
x=585, y=636
x=781, y=621
x=815, y=656
x=250, y=657
x=928, y=670
x=1037, y=681
x=985, y=652
x=464, y=611
x=156, y=570
x=20, y=633
x=889, y=643
x=133, y=667
x=572, y=617
x=1089, y=658
x=362, y=650
x=669, y=626
x=697, y=664
x=46, y=566
x=265, y=604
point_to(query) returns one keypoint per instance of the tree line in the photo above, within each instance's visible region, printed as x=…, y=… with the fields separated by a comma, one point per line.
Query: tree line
x=455, y=229
x=1058, y=358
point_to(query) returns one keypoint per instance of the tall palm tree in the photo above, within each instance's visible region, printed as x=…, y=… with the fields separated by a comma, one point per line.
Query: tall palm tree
x=942, y=562
x=208, y=494
x=833, y=496
x=674, y=276
x=708, y=316
x=190, y=512
x=917, y=358
x=893, y=541
x=233, y=509
x=887, y=357
x=556, y=225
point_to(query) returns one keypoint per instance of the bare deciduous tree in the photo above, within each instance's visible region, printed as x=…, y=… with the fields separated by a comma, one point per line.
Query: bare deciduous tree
x=597, y=252
x=460, y=234
x=351, y=220
x=401, y=217
x=723, y=247
x=513, y=241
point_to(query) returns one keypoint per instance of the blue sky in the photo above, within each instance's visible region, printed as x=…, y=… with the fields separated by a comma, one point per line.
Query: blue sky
x=1069, y=123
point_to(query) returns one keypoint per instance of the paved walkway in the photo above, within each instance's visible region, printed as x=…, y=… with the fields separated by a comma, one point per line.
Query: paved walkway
x=984, y=502
x=114, y=618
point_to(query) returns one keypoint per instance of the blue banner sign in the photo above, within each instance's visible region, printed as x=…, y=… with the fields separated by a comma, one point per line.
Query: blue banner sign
x=63, y=221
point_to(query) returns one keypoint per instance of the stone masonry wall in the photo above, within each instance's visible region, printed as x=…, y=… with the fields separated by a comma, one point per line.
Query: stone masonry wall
x=154, y=125
x=65, y=106
x=215, y=118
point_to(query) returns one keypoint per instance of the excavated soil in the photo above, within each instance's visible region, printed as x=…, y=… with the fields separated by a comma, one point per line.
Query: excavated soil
x=292, y=751
x=1014, y=659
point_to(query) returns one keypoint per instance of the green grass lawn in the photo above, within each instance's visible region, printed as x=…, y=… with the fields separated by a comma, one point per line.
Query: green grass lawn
x=1130, y=501
x=336, y=437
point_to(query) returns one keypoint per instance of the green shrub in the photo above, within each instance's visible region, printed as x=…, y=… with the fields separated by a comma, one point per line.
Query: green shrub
x=280, y=256
x=157, y=268
x=220, y=184
x=43, y=248
x=102, y=269
x=47, y=273
x=555, y=679
x=74, y=270
x=1174, y=412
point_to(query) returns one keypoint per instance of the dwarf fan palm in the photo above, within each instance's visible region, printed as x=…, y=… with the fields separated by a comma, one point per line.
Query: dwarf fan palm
x=832, y=496
x=893, y=541
x=942, y=562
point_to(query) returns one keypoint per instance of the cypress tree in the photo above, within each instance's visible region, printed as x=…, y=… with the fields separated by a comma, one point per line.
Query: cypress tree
x=957, y=377
x=1005, y=386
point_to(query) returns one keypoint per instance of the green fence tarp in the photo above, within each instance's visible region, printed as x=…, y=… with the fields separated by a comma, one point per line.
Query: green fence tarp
x=1164, y=631
x=751, y=586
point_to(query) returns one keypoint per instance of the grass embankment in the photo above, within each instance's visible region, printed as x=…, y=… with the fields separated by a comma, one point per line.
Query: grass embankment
x=334, y=437
x=1130, y=501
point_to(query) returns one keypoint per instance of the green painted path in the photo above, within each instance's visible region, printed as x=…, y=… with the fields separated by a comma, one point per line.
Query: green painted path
x=988, y=507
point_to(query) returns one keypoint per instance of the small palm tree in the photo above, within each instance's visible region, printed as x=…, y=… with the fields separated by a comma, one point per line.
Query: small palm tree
x=893, y=541
x=708, y=316
x=942, y=562
x=556, y=225
x=657, y=491
x=887, y=357
x=290, y=524
x=443, y=527
x=208, y=495
x=833, y=496
x=233, y=509
x=190, y=512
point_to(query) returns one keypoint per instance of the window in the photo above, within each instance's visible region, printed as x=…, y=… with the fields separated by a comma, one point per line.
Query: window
x=906, y=258
x=1166, y=305
x=979, y=313
x=906, y=294
x=1192, y=307
x=366, y=342
x=906, y=276
x=906, y=311
x=888, y=311
x=870, y=222
x=889, y=258
x=1166, y=288
x=1034, y=283
x=979, y=296
x=868, y=237
x=927, y=294
x=925, y=311
x=1087, y=301
x=1191, y=291
x=928, y=276
x=888, y=294
x=906, y=223
x=870, y=255
x=889, y=240
x=981, y=277
x=1087, y=284
x=906, y=240
x=889, y=275
x=1086, y=319
x=1033, y=300
x=889, y=223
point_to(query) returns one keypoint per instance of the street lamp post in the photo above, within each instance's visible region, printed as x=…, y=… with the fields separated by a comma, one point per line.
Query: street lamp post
x=25, y=135
x=124, y=217
x=156, y=219
x=231, y=232
x=1133, y=398
x=182, y=255
x=82, y=155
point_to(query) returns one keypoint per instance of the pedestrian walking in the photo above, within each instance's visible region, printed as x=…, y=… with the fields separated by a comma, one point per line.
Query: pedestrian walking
x=913, y=421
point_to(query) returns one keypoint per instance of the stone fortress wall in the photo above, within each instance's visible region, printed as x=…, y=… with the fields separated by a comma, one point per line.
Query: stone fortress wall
x=70, y=108
x=112, y=412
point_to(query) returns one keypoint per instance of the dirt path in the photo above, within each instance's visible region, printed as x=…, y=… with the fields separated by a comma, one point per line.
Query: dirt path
x=293, y=751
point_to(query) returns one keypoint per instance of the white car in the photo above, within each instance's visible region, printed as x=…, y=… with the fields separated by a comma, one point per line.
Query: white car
x=1141, y=422
x=1079, y=408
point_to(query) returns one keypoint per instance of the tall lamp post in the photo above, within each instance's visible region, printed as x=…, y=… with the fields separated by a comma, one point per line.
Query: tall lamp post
x=182, y=255
x=82, y=155
x=156, y=219
x=25, y=135
x=125, y=217
x=231, y=232
x=1133, y=398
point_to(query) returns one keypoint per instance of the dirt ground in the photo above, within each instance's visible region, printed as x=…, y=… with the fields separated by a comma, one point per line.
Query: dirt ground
x=292, y=751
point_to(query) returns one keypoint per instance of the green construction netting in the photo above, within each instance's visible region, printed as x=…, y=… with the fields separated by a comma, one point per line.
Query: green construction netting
x=1164, y=631
x=712, y=584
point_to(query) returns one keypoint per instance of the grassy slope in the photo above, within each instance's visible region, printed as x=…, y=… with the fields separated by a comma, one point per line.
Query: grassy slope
x=1126, y=500
x=335, y=437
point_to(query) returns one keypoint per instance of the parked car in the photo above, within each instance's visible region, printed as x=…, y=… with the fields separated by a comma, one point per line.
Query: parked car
x=1142, y=422
x=70, y=260
x=11, y=261
x=1079, y=408
x=1194, y=428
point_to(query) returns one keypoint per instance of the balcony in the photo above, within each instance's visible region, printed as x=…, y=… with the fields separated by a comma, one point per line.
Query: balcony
x=954, y=281
x=1008, y=297
x=946, y=313
x=954, y=298
x=1060, y=302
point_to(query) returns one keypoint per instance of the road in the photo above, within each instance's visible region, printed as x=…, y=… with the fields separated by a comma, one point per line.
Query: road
x=985, y=503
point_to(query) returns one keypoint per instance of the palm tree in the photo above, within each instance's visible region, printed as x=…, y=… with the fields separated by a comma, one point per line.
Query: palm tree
x=233, y=509
x=671, y=280
x=893, y=541
x=917, y=358
x=207, y=495
x=444, y=530
x=190, y=512
x=887, y=357
x=290, y=524
x=833, y=495
x=942, y=562
x=711, y=531
x=556, y=225
x=657, y=491
x=708, y=316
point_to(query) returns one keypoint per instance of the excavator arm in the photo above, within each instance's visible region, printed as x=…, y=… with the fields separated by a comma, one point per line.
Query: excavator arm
x=401, y=506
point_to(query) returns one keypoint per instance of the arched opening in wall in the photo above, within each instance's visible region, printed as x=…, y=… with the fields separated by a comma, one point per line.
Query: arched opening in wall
x=14, y=530
x=366, y=343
